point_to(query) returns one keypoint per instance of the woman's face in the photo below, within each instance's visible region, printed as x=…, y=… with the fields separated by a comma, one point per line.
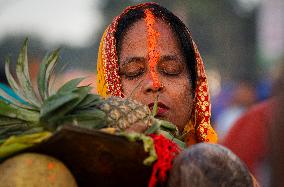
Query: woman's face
x=174, y=91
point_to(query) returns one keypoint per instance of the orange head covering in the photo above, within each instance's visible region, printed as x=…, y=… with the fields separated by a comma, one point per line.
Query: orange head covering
x=198, y=128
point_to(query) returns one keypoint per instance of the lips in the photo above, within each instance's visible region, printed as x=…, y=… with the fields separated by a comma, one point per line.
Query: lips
x=162, y=109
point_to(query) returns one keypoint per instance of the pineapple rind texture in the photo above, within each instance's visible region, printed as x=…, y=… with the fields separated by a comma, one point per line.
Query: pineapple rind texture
x=122, y=113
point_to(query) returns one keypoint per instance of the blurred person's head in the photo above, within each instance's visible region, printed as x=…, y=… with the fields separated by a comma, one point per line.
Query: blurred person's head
x=204, y=165
x=245, y=94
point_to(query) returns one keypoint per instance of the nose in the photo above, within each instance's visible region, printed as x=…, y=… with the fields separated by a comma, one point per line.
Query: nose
x=149, y=86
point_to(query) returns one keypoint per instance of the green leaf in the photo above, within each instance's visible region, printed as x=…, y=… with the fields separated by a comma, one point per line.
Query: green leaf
x=158, y=124
x=12, y=111
x=13, y=129
x=70, y=85
x=52, y=80
x=90, y=114
x=168, y=126
x=23, y=76
x=152, y=129
x=56, y=106
x=6, y=121
x=46, y=69
x=50, y=69
x=155, y=107
x=14, y=101
x=54, y=102
x=89, y=101
x=172, y=138
x=14, y=85
x=92, y=120
x=95, y=119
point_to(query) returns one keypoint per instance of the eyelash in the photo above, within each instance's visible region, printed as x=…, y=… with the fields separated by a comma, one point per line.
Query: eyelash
x=169, y=74
x=134, y=76
x=140, y=74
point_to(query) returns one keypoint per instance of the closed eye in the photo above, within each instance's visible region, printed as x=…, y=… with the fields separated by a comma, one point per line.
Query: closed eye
x=170, y=65
x=133, y=67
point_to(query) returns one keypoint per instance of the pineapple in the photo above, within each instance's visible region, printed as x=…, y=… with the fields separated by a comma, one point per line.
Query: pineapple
x=70, y=104
x=121, y=113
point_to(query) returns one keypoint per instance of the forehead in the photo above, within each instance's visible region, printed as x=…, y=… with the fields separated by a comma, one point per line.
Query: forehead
x=139, y=27
x=136, y=36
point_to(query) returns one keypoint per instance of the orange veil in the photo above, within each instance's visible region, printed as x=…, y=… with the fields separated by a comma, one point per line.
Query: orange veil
x=198, y=128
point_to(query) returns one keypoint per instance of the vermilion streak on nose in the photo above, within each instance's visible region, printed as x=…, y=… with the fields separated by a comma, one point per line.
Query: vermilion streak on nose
x=153, y=53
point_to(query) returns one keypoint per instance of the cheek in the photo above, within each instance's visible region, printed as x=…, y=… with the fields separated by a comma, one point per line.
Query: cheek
x=181, y=93
x=126, y=87
x=131, y=88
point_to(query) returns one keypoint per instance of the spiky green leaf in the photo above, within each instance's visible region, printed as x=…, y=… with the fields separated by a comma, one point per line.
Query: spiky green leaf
x=12, y=111
x=70, y=85
x=55, y=102
x=154, y=128
x=45, y=72
x=91, y=100
x=172, y=138
x=6, y=121
x=23, y=76
x=12, y=82
x=92, y=119
x=56, y=106
x=51, y=69
x=14, y=101
x=13, y=129
x=155, y=107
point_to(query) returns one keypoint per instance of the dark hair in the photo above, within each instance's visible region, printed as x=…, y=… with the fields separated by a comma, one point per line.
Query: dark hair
x=176, y=25
x=212, y=165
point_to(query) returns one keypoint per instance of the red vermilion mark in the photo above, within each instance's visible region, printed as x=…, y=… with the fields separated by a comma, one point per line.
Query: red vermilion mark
x=153, y=53
x=50, y=165
x=29, y=162
x=52, y=178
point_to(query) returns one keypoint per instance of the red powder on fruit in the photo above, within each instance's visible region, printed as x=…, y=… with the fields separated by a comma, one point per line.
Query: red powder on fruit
x=52, y=178
x=50, y=165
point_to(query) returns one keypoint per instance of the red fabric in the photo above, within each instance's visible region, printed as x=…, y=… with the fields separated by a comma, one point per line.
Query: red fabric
x=249, y=135
x=166, y=151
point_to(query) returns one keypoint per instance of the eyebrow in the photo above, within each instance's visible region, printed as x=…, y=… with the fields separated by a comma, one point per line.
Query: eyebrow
x=136, y=58
x=168, y=58
x=132, y=59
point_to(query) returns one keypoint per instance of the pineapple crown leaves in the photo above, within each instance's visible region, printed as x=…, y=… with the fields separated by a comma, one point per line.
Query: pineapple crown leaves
x=44, y=110
x=45, y=71
x=24, y=87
